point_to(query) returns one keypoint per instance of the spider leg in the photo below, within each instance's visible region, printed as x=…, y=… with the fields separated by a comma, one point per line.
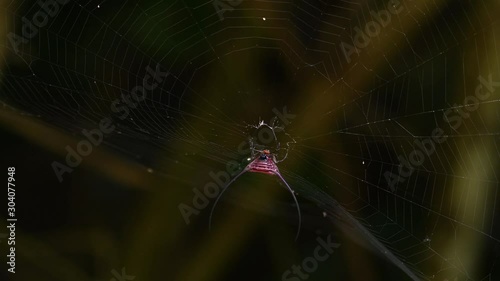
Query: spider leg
x=224, y=189
x=294, y=198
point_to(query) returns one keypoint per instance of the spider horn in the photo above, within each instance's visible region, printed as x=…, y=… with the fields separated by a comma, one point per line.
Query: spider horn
x=296, y=203
x=218, y=197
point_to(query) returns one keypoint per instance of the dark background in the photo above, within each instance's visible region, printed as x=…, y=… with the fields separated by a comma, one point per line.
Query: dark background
x=120, y=207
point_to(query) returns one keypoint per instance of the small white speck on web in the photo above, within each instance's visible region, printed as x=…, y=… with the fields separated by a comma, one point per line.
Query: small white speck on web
x=263, y=18
x=363, y=162
x=98, y=6
x=324, y=214
x=150, y=170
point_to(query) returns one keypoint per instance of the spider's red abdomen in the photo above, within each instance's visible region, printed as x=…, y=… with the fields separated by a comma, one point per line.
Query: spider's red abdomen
x=263, y=165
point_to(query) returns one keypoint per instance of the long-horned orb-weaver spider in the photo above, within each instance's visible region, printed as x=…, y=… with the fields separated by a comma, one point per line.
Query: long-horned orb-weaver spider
x=264, y=163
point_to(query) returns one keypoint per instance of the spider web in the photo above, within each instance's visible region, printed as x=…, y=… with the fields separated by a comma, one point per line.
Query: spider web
x=353, y=119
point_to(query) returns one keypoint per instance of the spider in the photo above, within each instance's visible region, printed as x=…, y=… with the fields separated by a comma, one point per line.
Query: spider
x=264, y=163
